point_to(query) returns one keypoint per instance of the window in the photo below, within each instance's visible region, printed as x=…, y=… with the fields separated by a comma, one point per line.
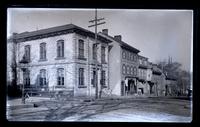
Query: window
x=60, y=77
x=103, y=54
x=140, y=61
x=135, y=58
x=81, y=48
x=81, y=76
x=43, y=51
x=127, y=69
x=103, y=78
x=124, y=69
x=131, y=57
x=60, y=48
x=26, y=75
x=27, y=52
x=131, y=70
x=127, y=55
x=135, y=71
x=94, y=51
x=124, y=55
x=42, y=77
x=93, y=78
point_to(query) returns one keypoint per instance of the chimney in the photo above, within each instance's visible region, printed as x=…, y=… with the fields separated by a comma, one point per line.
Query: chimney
x=105, y=31
x=118, y=37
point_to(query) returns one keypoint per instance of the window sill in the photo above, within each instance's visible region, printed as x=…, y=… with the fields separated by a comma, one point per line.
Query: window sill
x=60, y=86
x=59, y=58
x=42, y=60
x=104, y=62
x=104, y=86
x=82, y=58
x=82, y=86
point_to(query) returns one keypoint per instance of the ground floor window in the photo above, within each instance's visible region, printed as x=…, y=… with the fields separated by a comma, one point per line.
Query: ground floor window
x=60, y=76
x=103, y=78
x=94, y=77
x=42, y=77
x=26, y=75
x=81, y=76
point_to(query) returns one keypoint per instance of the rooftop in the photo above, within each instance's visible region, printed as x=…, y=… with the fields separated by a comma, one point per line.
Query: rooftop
x=53, y=31
x=122, y=43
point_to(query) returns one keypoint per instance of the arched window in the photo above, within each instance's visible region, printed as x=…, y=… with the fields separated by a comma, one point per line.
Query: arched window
x=43, y=51
x=131, y=70
x=60, y=76
x=124, y=54
x=43, y=77
x=60, y=48
x=128, y=69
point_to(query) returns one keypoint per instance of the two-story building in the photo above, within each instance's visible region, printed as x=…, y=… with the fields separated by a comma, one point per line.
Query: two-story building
x=64, y=57
x=123, y=66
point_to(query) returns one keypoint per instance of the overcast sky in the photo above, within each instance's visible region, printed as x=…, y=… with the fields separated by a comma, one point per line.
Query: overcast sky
x=158, y=34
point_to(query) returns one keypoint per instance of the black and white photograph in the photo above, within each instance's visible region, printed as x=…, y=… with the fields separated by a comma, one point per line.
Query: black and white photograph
x=99, y=65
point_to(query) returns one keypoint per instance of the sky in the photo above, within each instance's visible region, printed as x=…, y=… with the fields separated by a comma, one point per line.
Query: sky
x=158, y=34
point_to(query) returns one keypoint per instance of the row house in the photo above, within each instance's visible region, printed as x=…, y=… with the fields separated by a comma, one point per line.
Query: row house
x=157, y=84
x=144, y=76
x=123, y=66
x=64, y=57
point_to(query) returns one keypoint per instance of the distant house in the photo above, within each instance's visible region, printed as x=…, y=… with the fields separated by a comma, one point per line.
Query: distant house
x=158, y=81
x=143, y=76
x=61, y=57
x=171, y=85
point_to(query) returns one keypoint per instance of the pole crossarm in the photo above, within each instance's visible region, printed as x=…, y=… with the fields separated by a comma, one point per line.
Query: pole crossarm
x=91, y=21
x=97, y=24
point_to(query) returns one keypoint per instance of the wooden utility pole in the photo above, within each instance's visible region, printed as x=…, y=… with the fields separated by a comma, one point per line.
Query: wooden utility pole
x=96, y=43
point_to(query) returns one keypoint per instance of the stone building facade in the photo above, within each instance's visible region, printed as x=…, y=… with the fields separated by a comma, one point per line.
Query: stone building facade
x=61, y=57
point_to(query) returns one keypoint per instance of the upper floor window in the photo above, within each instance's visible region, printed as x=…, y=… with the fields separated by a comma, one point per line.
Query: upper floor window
x=81, y=48
x=27, y=52
x=43, y=77
x=135, y=58
x=60, y=76
x=103, y=54
x=81, y=76
x=140, y=61
x=94, y=51
x=127, y=69
x=103, y=78
x=131, y=70
x=124, y=55
x=127, y=55
x=60, y=48
x=135, y=71
x=124, y=69
x=43, y=51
